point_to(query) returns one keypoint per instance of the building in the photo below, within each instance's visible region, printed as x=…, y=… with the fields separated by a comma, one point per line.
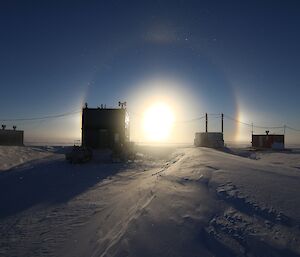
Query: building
x=209, y=139
x=104, y=127
x=268, y=141
x=11, y=136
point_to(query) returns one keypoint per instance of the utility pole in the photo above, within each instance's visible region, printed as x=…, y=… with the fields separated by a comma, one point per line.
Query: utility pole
x=206, y=122
x=252, y=128
x=222, y=122
x=284, y=128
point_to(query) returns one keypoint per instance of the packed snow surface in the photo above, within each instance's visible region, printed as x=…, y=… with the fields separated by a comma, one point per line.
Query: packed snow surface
x=168, y=202
x=11, y=156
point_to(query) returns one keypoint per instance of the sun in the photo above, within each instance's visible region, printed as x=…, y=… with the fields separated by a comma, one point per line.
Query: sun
x=158, y=121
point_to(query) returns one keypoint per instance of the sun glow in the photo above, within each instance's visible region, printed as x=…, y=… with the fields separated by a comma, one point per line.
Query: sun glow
x=158, y=122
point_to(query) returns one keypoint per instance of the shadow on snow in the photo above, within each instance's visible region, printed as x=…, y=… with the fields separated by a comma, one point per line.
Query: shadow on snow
x=49, y=182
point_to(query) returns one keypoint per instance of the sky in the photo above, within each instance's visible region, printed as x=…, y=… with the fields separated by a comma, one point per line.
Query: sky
x=240, y=58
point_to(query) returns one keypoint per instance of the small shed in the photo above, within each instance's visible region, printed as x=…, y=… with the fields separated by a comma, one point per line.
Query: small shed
x=104, y=127
x=268, y=141
x=209, y=139
x=11, y=136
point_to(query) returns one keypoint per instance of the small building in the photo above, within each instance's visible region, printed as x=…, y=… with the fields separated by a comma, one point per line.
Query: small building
x=268, y=141
x=11, y=136
x=104, y=127
x=209, y=139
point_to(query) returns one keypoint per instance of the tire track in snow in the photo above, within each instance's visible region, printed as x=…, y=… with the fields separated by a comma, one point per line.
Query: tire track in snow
x=121, y=228
x=116, y=234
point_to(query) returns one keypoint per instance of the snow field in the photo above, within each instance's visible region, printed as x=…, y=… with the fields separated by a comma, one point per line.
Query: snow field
x=169, y=202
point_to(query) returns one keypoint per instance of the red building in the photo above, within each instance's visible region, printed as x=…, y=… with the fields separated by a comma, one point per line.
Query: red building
x=268, y=141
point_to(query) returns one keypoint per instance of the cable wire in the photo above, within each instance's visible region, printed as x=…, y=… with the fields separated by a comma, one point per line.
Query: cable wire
x=140, y=115
x=238, y=121
x=191, y=120
x=43, y=117
x=252, y=125
x=291, y=128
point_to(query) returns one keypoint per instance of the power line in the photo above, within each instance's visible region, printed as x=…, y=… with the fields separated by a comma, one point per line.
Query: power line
x=43, y=117
x=252, y=125
x=140, y=115
x=269, y=127
x=230, y=118
x=238, y=121
x=191, y=120
x=291, y=128
x=214, y=114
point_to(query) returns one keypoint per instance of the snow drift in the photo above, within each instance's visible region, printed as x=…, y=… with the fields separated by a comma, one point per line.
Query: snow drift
x=180, y=202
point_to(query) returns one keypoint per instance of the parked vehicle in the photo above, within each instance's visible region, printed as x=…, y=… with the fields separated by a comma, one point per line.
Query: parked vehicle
x=79, y=154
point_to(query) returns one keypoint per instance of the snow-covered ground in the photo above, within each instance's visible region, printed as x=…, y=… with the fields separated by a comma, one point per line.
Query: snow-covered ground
x=12, y=156
x=169, y=202
x=288, y=158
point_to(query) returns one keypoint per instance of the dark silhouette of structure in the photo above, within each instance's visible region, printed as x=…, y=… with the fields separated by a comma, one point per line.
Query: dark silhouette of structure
x=11, y=136
x=105, y=127
x=268, y=141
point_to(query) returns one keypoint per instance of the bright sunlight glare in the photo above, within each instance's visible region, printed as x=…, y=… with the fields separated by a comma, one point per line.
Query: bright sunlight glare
x=158, y=122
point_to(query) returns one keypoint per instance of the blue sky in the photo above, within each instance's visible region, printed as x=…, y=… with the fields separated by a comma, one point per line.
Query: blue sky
x=236, y=57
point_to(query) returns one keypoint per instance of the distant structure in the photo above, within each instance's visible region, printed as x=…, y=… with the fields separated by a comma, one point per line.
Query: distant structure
x=105, y=127
x=268, y=141
x=210, y=139
x=11, y=136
